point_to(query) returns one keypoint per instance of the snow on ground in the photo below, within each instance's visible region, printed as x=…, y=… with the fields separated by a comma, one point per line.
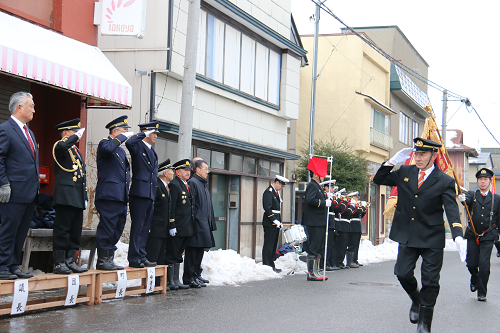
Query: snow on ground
x=226, y=267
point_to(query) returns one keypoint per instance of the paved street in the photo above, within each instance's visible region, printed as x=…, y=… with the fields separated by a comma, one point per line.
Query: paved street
x=368, y=299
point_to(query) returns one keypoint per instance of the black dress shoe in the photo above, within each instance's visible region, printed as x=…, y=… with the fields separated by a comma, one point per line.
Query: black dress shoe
x=6, y=275
x=498, y=254
x=22, y=275
x=203, y=280
x=193, y=284
x=148, y=263
x=200, y=282
x=136, y=264
x=473, y=288
x=332, y=268
x=481, y=298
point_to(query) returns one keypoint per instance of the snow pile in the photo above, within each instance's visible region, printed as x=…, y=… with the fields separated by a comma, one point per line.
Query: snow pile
x=369, y=254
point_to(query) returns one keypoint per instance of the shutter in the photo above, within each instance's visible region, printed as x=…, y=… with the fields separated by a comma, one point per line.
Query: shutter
x=8, y=86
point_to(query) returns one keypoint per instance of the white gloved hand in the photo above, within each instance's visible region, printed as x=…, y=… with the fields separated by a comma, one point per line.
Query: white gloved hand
x=462, y=247
x=363, y=203
x=5, y=193
x=80, y=132
x=173, y=232
x=149, y=132
x=462, y=197
x=86, y=204
x=128, y=134
x=330, y=195
x=278, y=224
x=401, y=156
x=328, y=203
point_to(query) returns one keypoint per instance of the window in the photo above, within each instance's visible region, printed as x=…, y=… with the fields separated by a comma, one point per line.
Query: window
x=380, y=121
x=236, y=163
x=204, y=154
x=228, y=56
x=264, y=168
x=249, y=165
x=218, y=160
x=408, y=129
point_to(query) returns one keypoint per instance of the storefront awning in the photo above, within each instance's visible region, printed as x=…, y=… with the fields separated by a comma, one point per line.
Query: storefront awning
x=38, y=54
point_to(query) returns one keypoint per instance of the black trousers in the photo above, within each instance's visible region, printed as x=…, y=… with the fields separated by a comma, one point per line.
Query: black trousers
x=155, y=249
x=192, y=261
x=16, y=219
x=67, y=228
x=112, y=218
x=478, y=263
x=174, y=249
x=330, y=251
x=316, y=241
x=497, y=245
x=341, y=247
x=353, y=242
x=432, y=261
x=141, y=214
x=271, y=235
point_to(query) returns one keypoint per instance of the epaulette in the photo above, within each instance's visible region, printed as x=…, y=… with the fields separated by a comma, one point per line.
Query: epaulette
x=105, y=138
x=270, y=189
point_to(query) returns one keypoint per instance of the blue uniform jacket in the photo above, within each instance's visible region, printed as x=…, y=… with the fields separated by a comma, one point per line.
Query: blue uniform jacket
x=144, y=167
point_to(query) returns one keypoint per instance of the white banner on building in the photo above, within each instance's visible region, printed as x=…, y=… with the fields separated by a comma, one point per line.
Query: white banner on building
x=121, y=17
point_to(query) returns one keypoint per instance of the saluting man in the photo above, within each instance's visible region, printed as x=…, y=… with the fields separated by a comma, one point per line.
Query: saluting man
x=484, y=208
x=418, y=224
x=271, y=220
x=142, y=191
x=70, y=197
x=111, y=194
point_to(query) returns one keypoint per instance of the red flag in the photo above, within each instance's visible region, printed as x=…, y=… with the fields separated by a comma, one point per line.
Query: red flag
x=318, y=166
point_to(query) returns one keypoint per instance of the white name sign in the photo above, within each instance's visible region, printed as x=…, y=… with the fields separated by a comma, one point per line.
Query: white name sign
x=123, y=18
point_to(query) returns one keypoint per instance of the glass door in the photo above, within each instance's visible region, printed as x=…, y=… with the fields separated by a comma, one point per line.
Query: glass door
x=219, y=194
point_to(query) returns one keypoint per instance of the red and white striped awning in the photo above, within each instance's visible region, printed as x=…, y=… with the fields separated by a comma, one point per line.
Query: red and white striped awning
x=38, y=54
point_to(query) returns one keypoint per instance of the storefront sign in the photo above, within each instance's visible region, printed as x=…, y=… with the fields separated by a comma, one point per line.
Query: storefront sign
x=123, y=18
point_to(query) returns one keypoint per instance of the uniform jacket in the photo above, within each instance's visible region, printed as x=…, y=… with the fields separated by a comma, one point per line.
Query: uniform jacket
x=331, y=212
x=161, y=213
x=144, y=167
x=204, y=217
x=315, y=210
x=70, y=187
x=345, y=211
x=17, y=163
x=113, y=170
x=272, y=207
x=418, y=220
x=480, y=208
x=355, y=225
x=181, y=209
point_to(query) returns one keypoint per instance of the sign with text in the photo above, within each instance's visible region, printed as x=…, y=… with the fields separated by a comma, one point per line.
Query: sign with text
x=121, y=285
x=20, y=297
x=123, y=18
x=73, y=287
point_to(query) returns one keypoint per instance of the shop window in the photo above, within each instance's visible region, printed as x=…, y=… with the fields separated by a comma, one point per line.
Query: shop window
x=204, y=154
x=236, y=163
x=218, y=160
x=249, y=165
x=264, y=168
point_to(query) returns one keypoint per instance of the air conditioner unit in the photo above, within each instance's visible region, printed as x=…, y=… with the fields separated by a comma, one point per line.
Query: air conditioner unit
x=302, y=186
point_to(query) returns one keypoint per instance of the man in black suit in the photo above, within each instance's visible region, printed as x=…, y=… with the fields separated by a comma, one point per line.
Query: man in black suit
x=484, y=208
x=158, y=234
x=271, y=220
x=355, y=232
x=181, y=223
x=70, y=197
x=314, y=217
x=19, y=183
x=418, y=224
x=142, y=192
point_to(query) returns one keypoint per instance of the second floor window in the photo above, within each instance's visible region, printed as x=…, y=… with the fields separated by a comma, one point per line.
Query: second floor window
x=380, y=121
x=408, y=129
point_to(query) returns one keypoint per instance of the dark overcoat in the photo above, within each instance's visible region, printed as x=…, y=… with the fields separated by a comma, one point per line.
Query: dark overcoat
x=181, y=209
x=161, y=213
x=204, y=217
x=315, y=210
x=272, y=207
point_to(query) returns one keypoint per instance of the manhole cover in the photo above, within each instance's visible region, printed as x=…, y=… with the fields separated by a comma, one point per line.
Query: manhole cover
x=377, y=284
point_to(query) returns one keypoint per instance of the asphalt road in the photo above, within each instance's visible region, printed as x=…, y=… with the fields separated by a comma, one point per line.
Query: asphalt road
x=368, y=299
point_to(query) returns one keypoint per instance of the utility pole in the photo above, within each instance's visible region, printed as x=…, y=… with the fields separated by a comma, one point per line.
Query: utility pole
x=188, y=83
x=445, y=111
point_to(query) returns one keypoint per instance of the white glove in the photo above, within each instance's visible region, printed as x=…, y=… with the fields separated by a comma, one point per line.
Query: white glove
x=149, y=132
x=335, y=188
x=128, y=134
x=401, y=156
x=363, y=203
x=330, y=195
x=462, y=247
x=462, y=197
x=5, y=193
x=79, y=133
x=86, y=204
x=328, y=203
x=278, y=224
x=173, y=232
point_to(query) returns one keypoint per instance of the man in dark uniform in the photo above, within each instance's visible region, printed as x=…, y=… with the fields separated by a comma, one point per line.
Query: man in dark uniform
x=354, y=234
x=70, y=197
x=314, y=217
x=181, y=224
x=343, y=211
x=158, y=234
x=484, y=208
x=329, y=189
x=111, y=194
x=418, y=224
x=271, y=220
x=142, y=192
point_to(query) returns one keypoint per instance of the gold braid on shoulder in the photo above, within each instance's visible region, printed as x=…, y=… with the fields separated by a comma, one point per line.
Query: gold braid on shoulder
x=75, y=162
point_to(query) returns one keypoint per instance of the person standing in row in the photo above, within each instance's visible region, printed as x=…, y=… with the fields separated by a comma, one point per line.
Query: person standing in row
x=111, y=194
x=142, y=191
x=271, y=221
x=70, y=197
x=484, y=208
x=354, y=234
x=19, y=183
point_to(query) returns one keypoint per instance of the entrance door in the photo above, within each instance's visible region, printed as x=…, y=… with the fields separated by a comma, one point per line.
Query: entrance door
x=219, y=194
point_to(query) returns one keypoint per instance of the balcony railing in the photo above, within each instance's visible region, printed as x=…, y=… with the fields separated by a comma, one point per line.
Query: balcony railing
x=380, y=139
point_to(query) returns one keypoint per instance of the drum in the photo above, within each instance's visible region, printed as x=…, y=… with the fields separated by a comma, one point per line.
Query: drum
x=295, y=235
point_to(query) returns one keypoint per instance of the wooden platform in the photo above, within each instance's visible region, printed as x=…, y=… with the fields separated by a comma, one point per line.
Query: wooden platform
x=47, y=282
x=132, y=274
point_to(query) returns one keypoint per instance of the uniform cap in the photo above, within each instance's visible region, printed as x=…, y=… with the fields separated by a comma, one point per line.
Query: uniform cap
x=69, y=125
x=149, y=126
x=118, y=122
x=165, y=165
x=484, y=172
x=424, y=145
x=281, y=179
x=182, y=164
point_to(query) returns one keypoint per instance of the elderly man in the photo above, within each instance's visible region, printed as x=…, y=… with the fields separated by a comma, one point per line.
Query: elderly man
x=70, y=197
x=204, y=224
x=19, y=183
x=142, y=192
x=111, y=194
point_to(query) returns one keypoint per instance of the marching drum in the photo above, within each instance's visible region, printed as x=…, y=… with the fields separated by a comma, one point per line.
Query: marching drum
x=295, y=235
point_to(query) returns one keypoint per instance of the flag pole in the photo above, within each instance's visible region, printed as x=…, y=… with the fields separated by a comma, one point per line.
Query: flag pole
x=330, y=160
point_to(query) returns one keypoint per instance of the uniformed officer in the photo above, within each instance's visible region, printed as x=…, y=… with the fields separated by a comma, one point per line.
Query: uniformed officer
x=142, y=191
x=111, y=194
x=158, y=234
x=271, y=220
x=70, y=197
x=484, y=208
x=418, y=224
x=314, y=217
x=181, y=224
x=343, y=211
x=329, y=189
x=354, y=234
